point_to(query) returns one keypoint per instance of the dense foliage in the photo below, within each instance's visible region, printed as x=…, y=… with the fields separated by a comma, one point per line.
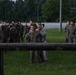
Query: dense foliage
x=37, y=10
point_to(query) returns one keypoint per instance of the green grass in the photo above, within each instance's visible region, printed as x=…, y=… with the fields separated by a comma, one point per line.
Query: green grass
x=54, y=36
x=60, y=62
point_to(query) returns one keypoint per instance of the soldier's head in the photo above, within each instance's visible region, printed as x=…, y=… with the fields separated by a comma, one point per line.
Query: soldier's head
x=43, y=25
x=4, y=23
x=32, y=27
x=35, y=25
x=31, y=22
x=19, y=22
x=39, y=26
x=68, y=22
x=16, y=23
x=72, y=23
x=13, y=22
x=75, y=23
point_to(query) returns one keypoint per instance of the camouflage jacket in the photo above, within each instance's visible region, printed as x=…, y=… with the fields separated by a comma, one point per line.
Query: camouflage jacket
x=33, y=37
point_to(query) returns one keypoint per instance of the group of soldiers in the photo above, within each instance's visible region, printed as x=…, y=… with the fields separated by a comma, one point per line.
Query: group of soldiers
x=37, y=34
x=15, y=32
x=11, y=32
x=70, y=31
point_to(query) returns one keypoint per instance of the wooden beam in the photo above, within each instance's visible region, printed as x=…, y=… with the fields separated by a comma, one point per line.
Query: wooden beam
x=32, y=46
x=37, y=46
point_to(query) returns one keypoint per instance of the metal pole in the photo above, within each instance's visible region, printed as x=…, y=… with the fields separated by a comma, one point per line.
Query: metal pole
x=1, y=63
x=60, y=28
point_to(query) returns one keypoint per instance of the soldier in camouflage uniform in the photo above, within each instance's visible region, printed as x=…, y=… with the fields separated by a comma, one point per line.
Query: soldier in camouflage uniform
x=4, y=32
x=42, y=30
x=26, y=30
x=12, y=33
x=72, y=32
x=66, y=31
x=34, y=37
x=0, y=35
x=31, y=22
x=17, y=37
x=21, y=32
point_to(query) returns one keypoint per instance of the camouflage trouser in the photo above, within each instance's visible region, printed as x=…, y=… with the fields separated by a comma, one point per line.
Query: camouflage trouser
x=17, y=38
x=67, y=40
x=72, y=40
x=11, y=40
x=45, y=54
x=21, y=38
x=75, y=38
x=37, y=54
x=32, y=56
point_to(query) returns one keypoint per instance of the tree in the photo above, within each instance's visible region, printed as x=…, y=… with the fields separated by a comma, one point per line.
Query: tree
x=5, y=7
x=50, y=10
x=30, y=9
x=18, y=10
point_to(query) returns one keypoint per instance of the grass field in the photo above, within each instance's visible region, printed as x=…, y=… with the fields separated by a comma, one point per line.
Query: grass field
x=60, y=62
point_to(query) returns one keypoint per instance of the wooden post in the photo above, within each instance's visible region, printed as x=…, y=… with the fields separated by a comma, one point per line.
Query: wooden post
x=1, y=63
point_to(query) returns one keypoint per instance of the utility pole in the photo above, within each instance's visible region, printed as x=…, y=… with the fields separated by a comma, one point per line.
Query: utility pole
x=60, y=27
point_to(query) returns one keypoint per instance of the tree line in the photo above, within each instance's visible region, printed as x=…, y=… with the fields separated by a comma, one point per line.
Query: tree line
x=37, y=10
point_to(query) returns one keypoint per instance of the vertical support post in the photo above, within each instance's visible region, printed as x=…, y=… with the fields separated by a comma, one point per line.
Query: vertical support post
x=1, y=63
x=60, y=28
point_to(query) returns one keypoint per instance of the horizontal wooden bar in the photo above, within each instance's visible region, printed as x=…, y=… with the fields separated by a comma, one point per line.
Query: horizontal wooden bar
x=37, y=46
x=33, y=46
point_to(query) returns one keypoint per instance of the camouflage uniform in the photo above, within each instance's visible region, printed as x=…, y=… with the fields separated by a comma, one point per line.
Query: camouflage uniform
x=17, y=36
x=71, y=33
x=66, y=32
x=34, y=37
x=4, y=33
x=0, y=35
x=43, y=36
x=12, y=34
x=21, y=32
x=26, y=30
